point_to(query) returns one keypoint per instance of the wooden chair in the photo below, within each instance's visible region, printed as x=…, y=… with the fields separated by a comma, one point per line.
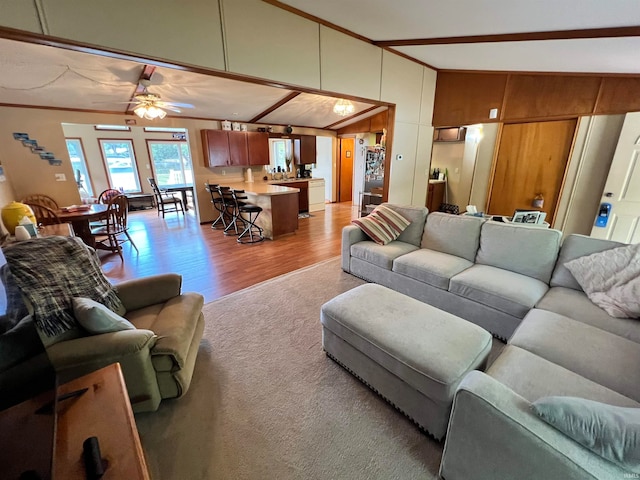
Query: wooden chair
x=41, y=199
x=107, y=195
x=44, y=215
x=164, y=200
x=109, y=236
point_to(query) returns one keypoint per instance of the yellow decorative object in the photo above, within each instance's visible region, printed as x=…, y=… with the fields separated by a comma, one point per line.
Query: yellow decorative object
x=13, y=213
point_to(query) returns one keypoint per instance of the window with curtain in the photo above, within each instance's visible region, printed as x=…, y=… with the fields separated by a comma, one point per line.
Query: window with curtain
x=80, y=169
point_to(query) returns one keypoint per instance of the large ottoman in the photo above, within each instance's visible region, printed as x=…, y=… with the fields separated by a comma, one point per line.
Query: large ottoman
x=410, y=353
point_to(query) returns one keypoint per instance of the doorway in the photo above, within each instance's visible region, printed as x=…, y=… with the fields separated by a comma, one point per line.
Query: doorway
x=530, y=167
x=345, y=170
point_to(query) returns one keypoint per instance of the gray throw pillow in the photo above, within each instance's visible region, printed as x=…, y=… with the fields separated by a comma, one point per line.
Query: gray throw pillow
x=96, y=318
x=609, y=431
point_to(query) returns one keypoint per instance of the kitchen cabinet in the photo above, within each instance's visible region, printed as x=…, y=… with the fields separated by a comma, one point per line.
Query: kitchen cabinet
x=303, y=197
x=435, y=194
x=304, y=149
x=224, y=148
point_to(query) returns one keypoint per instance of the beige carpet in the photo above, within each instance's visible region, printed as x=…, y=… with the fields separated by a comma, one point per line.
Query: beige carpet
x=266, y=403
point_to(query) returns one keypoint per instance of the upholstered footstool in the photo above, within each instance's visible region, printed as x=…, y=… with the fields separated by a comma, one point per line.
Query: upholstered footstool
x=410, y=353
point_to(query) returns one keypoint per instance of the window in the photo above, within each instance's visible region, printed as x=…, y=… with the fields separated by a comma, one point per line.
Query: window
x=279, y=150
x=120, y=160
x=171, y=162
x=79, y=164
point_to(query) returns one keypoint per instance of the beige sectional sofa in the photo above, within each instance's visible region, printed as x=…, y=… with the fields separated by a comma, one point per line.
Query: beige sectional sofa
x=512, y=281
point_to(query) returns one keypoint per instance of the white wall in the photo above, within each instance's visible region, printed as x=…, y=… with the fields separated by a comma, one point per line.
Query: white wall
x=325, y=152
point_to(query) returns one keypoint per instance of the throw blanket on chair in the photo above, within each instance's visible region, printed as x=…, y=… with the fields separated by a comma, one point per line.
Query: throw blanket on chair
x=50, y=271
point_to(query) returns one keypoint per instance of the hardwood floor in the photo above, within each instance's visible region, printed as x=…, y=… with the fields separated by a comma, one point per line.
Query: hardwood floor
x=214, y=264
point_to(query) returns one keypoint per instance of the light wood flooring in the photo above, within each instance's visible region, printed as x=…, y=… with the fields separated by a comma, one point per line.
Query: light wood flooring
x=214, y=264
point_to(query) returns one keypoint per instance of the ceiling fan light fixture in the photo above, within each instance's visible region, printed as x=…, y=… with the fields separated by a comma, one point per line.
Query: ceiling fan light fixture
x=343, y=107
x=150, y=112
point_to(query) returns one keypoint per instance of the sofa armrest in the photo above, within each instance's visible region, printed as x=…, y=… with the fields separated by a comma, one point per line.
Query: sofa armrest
x=493, y=433
x=145, y=291
x=106, y=348
x=350, y=234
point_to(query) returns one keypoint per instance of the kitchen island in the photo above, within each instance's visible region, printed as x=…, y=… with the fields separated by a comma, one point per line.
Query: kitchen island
x=279, y=204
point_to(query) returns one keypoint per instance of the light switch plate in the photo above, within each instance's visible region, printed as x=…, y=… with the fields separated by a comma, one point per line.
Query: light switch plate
x=61, y=177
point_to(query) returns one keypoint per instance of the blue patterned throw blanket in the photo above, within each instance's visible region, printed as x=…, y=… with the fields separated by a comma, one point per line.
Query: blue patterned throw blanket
x=50, y=271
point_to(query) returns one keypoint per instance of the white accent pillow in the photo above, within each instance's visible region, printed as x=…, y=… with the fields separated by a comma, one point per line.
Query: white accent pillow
x=609, y=431
x=611, y=279
x=96, y=318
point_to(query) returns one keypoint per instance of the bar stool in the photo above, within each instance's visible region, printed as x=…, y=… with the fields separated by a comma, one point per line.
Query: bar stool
x=251, y=211
x=232, y=211
x=218, y=204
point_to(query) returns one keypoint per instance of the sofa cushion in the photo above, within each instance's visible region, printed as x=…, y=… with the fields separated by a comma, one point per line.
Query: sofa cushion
x=431, y=267
x=383, y=225
x=611, y=279
x=453, y=234
x=531, y=251
x=575, y=304
x=600, y=356
x=19, y=344
x=609, y=431
x=576, y=246
x=379, y=255
x=503, y=290
x=417, y=215
x=534, y=377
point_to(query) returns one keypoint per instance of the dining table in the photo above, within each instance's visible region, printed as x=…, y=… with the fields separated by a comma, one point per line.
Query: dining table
x=80, y=219
x=182, y=189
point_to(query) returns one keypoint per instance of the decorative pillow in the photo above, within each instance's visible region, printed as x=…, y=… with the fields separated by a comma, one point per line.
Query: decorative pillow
x=19, y=344
x=16, y=308
x=96, y=318
x=383, y=225
x=611, y=279
x=609, y=431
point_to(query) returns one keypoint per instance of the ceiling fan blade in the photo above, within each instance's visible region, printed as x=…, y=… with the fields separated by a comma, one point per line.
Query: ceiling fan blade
x=170, y=108
x=176, y=104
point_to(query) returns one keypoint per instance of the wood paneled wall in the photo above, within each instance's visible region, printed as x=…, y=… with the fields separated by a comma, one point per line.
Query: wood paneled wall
x=372, y=124
x=464, y=98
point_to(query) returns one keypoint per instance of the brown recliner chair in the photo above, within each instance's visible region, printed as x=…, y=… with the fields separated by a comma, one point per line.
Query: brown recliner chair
x=158, y=357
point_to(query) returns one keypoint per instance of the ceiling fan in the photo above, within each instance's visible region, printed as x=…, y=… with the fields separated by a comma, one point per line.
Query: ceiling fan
x=150, y=105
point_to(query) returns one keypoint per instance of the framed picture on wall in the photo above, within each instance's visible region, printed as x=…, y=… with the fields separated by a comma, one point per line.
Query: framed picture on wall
x=347, y=154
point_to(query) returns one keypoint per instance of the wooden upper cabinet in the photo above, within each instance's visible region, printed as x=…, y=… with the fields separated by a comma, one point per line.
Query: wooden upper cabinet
x=379, y=121
x=548, y=96
x=238, y=152
x=304, y=149
x=258, y=147
x=619, y=95
x=216, y=147
x=466, y=98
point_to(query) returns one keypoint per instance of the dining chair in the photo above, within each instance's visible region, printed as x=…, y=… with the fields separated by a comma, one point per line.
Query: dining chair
x=165, y=201
x=248, y=214
x=109, y=236
x=44, y=215
x=107, y=195
x=41, y=199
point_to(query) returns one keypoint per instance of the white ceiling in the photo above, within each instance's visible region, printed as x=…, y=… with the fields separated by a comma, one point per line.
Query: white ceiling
x=381, y=20
x=47, y=76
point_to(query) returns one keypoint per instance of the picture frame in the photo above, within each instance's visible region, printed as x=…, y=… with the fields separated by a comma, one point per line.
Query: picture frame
x=347, y=154
x=528, y=217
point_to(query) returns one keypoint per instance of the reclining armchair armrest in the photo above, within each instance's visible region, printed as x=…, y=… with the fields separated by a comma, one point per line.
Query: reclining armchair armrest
x=350, y=234
x=145, y=291
x=106, y=347
x=493, y=433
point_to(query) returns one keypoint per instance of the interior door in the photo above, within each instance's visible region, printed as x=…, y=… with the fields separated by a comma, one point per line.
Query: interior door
x=622, y=190
x=345, y=191
x=531, y=161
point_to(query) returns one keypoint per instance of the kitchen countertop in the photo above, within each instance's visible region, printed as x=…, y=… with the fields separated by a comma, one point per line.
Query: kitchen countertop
x=293, y=180
x=263, y=188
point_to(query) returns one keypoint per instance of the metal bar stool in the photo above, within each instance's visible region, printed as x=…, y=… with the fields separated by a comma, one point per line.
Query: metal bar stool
x=218, y=204
x=232, y=211
x=252, y=233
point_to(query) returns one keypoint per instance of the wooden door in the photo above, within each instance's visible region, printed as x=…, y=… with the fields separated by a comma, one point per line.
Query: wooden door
x=622, y=190
x=532, y=159
x=345, y=191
